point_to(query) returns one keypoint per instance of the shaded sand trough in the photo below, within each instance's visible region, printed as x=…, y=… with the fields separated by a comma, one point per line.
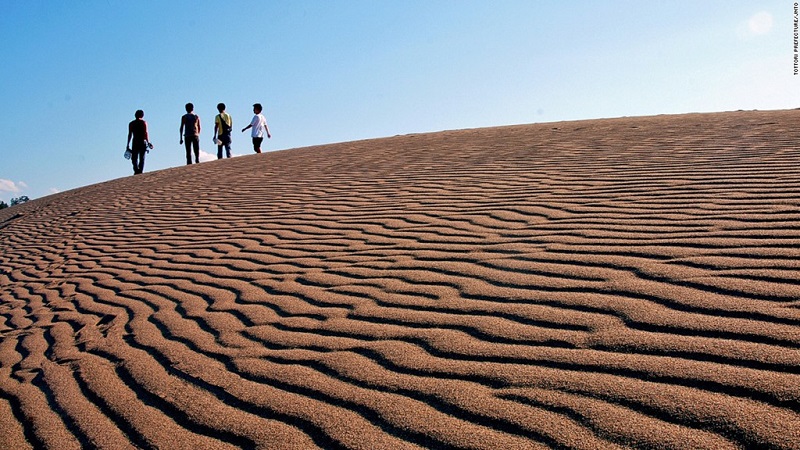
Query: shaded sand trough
x=597, y=284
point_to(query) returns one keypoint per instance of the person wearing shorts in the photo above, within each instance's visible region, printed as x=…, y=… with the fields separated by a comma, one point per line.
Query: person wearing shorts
x=259, y=127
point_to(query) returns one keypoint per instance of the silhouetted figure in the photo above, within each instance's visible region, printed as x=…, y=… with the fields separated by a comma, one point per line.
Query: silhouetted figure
x=190, y=132
x=138, y=141
x=223, y=124
x=259, y=126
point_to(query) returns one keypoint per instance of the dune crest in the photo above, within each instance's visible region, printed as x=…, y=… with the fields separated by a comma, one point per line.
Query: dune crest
x=597, y=284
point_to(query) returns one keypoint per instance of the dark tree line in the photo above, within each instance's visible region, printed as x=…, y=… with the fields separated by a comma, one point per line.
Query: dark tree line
x=14, y=201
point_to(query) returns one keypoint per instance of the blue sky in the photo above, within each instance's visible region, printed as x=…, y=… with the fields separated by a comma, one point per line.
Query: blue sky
x=74, y=72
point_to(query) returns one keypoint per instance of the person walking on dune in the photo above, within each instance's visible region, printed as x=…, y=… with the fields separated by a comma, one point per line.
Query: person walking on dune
x=223, y=124
x=138, y=141
x=259, y=126
x=190, y=132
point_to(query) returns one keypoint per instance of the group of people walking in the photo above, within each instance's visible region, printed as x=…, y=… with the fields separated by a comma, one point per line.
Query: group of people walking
x=139, y=139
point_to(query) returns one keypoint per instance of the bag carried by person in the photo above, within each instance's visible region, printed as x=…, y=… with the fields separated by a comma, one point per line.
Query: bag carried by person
x=224, y=127
x=224, y=131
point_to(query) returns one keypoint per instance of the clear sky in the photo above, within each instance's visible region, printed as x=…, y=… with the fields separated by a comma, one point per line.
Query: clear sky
x=74, y=72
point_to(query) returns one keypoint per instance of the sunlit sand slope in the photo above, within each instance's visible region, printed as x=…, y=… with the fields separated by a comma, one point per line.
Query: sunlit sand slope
x=598, y=284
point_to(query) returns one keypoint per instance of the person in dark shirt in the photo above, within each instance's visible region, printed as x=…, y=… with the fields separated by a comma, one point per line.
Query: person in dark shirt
x=190, y=132
x=137, y=131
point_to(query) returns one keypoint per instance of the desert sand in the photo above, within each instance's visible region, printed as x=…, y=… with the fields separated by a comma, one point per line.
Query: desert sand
x=630, y=282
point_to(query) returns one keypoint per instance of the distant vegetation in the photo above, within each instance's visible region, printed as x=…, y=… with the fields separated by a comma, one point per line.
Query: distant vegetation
x=14, y=201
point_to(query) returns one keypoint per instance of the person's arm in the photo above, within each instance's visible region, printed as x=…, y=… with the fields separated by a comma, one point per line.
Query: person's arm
x=269, y=136
x=216, y=126
x=130, y=135
x=255, y=120
x=146, y=133
x=182, y=125
x=198, y=125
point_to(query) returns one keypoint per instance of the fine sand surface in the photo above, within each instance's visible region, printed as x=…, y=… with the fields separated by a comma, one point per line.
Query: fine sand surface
x=599, y=284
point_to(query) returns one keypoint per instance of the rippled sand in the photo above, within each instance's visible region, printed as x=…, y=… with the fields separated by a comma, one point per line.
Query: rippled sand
x=598, y=284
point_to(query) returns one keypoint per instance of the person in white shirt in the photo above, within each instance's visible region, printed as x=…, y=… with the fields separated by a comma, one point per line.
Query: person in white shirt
x=259, y=126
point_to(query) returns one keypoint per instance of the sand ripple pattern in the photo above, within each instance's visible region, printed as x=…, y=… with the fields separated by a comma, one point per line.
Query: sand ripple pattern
x=596, y=284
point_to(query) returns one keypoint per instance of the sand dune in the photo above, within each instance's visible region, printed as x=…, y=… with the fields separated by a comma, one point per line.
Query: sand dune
x=598, y=284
